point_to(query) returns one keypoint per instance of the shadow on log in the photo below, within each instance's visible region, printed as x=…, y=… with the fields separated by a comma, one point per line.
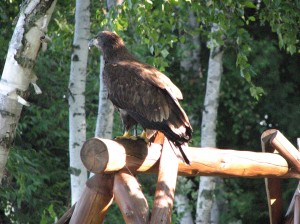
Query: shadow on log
x=165, y=187
x=106, y=156
x=130, y=198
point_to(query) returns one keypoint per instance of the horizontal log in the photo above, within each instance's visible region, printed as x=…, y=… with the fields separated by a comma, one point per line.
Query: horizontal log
x=105, y=156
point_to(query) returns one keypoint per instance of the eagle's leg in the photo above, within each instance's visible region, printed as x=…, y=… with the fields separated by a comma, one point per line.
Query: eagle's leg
x=127, y=135
x=143, y=136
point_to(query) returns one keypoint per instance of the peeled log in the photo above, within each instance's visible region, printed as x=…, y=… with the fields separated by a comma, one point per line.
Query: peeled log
x=273, y=185
x=165, y=188
x=130, y=198
x=95, y=200
x=105, y=156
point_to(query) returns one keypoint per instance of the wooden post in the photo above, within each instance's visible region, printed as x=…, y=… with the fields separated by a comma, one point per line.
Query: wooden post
x=293, y=213
x=95, y=200
x=106, y=156
x=284, y=147
x=273, y=185
x=65, y=219
x=130, y=199
x=166, y=184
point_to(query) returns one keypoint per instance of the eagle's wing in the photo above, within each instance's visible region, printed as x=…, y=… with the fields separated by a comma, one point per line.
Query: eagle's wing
x=152, y=75
x=138, y=88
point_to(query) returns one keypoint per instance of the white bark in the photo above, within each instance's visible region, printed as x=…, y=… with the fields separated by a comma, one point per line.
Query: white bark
x=182, y=208
x=190, y=63
x=104, y=125
x=105, y=116
x=206, y=196
x=77, y=120
x=17, y=74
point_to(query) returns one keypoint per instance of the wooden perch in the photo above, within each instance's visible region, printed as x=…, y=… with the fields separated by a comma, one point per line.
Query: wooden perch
x=277, y=140
x=105, y=156
x=166, y=184
x=130, y=198
x=293, y=213
x=95, y=200
x=65, y=219
x=273, y=185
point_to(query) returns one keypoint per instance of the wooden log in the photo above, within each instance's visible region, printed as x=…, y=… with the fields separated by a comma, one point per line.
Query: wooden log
x=105, y=156
x=65, y=219
x=166, y=184
x=284, y=147
x=95, y=200
x=292, y=215
x=130, y=198
x=273, y=185
x=297, y=210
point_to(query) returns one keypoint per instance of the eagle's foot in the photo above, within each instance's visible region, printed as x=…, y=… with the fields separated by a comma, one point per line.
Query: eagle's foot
x=143, y=136
x=128, y=136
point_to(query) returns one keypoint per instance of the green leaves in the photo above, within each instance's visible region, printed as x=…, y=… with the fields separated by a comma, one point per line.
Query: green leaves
x=249, y=4
x=257, y=92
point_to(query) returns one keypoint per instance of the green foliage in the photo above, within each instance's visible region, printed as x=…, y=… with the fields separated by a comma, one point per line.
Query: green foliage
x=252, y=36
x=34, y=183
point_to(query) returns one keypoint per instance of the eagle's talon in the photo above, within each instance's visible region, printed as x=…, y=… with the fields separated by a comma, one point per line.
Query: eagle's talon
x=143, y=136
x=128, y=136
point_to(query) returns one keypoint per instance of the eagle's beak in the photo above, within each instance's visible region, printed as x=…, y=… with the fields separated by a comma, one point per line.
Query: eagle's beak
x=92, y=43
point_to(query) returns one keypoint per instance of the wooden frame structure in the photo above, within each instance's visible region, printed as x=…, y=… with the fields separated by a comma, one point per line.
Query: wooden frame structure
x=115, y=162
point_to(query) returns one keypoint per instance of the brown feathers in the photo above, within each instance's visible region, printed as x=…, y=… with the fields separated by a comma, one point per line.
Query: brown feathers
x=144, y=93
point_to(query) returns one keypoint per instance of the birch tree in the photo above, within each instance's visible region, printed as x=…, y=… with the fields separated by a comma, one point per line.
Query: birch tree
x=105, y=116
x=18, y=73
x=206, y=196
x=104, y=123
x=77, y=120
x=190, y=63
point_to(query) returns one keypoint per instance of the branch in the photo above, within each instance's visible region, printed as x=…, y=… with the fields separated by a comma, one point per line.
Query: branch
x=105, y=156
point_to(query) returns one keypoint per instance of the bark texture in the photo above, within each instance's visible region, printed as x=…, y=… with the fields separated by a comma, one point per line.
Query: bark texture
x=105, y=116
x=104, y=125
x=190, y=64
x=77, y=120
x=206, y=196
x=18, y=73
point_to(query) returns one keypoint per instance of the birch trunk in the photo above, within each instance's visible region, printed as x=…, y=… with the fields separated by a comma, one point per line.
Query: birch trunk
x=190, y=63
x=206, y=196
x=105, y=116
x=18, y=73
x=77, y=120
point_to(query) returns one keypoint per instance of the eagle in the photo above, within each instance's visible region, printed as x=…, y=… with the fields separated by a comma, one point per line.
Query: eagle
x=142, y=94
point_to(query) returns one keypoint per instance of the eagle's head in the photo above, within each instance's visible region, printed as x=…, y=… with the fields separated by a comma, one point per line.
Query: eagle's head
x=107, y=41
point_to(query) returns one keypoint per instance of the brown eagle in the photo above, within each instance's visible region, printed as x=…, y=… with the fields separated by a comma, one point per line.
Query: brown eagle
x=142, y=94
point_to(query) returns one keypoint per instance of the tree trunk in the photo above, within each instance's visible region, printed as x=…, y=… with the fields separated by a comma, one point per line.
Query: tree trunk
x=77, y=120
x=190, y=63
x=105, y=116
x=17, y=74
x=206, y=196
